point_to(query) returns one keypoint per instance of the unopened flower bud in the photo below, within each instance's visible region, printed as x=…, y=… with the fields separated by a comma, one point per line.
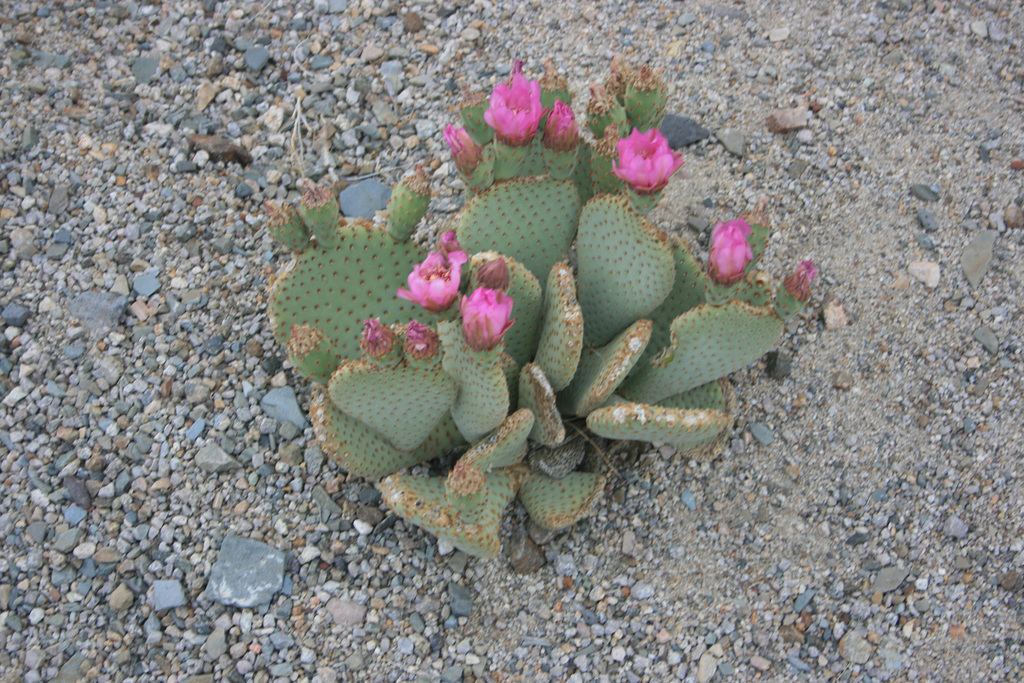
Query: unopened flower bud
x=798, y=283
x=421, y=342
x=378, y=339
x=493, y=274
x=561, y=133
x=466, y=153
x=730, y=252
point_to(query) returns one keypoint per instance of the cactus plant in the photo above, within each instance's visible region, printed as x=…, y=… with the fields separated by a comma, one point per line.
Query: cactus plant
x=551, y=299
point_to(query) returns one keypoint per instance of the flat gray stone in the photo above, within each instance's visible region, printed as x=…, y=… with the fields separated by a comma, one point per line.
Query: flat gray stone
x=889, y=579
x=346, y=612
x=924, y=192
x=762, y=433
x=955, y=527
x=256, y=57
x=145, y=69
x=167, y=595
x=15, y=314
x=212, y=458
x=59, y=200
x=977, y=256
x=927, y=220
x=461, y=599
x=146, y=284
x=67, y=540
x=364, y=199
x=987, y=338
x=733, y=141
x=98, y=311
x=247, y=573
x=281, y=404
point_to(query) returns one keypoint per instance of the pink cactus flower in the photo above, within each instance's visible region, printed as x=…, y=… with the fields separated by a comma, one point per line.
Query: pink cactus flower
x=730, y=251
x=515, y=111
x=377, y=339
x=486, y=317
x=449, y=244
x=646, y=161
x=434, y=284
x=798, y=283
x=421, y=342
x=561, y=133
x=466, y=153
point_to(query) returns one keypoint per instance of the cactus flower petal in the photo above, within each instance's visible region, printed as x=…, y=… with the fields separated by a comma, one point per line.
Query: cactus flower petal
x=421, y=342
x=646, y=161
x=486, y=317
x=561, y=133
x=466, y=153
x=515, y=109
x=434, y=284
x=730, y=251
x=377, y=339
x=798, y=283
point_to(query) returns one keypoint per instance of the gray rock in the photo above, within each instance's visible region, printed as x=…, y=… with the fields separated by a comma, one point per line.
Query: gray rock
x=733, y=141
x=686, y=18
x=337, y=6
x=67, y=540
x=23, y=243
x=74, y=514
x=681, y=131
x=924, y=192
x=256, y=58
x=855, y=648
x=145, y=284
x=281, y=404
x=762, y=433
x=212, y=458
x=167, y=595
x=98, y=311
x=247, y=573
x=243, y=190
x=927, y=220
x=955, y=527
x=889, y=579
x=73, y=670
x=364, y=199
x=145, y=69
x=346, y=612
x=987, y=338
x=29, y=138
x=524, y=555
x=689, y=500
x=803, y=600
x=216, y=644
x=328, y=508
x=976, y=257
x=15, y=314
x=461, y=599
x=36, y=531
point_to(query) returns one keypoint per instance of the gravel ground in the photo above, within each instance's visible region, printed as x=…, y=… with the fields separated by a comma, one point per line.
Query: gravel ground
x=864, y=523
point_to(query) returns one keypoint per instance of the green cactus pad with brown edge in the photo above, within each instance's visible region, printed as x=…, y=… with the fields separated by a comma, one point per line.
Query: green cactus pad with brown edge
x=755, y=289
x=321, y=214
x=602, y=370
x=553, y=87
x=358, y=448
x=559, y=503
x=536, y=394
x=402, y=403
x=408, y=204
x=532, y=220
x=286, y=227
x=708, y=342
x=472, y=115
x=521, y=339
x=423, y=501
x=504, y=447
x=760, y=231
x=561, y=330
x=511, y=162
x=676, y=427
x=625, y=267
x=310, y=353
x=483, y=399
x=602, y=155
x=645, y=99
x=334, y=290
x=787, y=305
x=711, y=396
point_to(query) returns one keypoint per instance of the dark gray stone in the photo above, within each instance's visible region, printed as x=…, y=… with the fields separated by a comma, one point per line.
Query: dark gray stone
x=212, y=458
x=955, y=527
x=15, y=314
x=256, y=58
x=243, y=190
x=144, y=69
x=320, y=62
x=762, y=433
x=977, y=256
x=890, y=578
x=461, y=599
x=59, y=200
x=281, y=404
x=681, y=131
x=98, y=311
x=987, y=338
x=803, y=600
x=364, y=199
x=924, y=192
x=247, y=573
x=927, y=220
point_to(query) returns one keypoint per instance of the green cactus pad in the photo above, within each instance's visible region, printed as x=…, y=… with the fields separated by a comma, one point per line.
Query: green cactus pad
x=626, y=267
x=708, y=342
x=511, y=162
x=483, y=398
x=358, y=448
x=403, y=403
x=473, y=121
x=334, y=290
x=602, y=370
x=310, y=352
x=787, y=305
x=321, y=214
x=423, y=501
x=504, y=447
x=561, y=165
x=602, y=179
x=760, y=231
x=687, y=292
x=536, y=394
x=755, y=289
x=521, y=339
x=532, y=220
x=561, y=332
x=645, y=99
x=559, y=503
x=408, y=204
x=676, y=427
x=710, y=396
x=287, y=227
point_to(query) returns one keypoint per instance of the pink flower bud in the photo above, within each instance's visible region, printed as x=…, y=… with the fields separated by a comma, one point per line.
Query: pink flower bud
x=493, y=274
x=434, y=284
x=515, y=111
x=730, y=251
x=448, y=243
x=421, y=342
x=646, y=161
x=466, y=153
x=560, y=132
x=798, y=283
x=485, y=317
x=377, y=339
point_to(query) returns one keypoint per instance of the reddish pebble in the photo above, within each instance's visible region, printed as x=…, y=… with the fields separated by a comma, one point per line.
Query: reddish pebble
x=1017, y=164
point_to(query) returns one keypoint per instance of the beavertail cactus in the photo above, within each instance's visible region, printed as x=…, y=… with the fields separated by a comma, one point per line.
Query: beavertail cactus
x=552, y=302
